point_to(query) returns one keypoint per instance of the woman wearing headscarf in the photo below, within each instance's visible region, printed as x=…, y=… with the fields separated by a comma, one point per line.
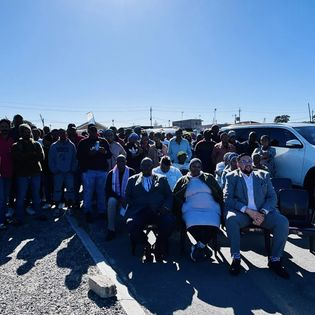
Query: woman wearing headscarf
x=199, y=202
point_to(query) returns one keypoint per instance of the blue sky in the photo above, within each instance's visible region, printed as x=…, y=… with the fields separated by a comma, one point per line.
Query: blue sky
x=116, y=58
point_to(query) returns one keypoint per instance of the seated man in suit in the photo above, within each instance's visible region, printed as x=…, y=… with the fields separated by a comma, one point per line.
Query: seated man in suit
x=250, y=199
x=149, y=200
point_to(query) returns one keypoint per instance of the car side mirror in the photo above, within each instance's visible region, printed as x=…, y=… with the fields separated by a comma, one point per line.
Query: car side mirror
x=294, y=144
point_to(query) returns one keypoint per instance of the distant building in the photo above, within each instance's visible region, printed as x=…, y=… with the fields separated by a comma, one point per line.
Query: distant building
x=188, y=124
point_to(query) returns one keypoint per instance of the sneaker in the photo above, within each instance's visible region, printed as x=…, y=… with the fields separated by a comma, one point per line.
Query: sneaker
x=61, y=205
x=46, y=206
x=30, y=211
x=235, y=267
x=9, y=213
x=110, y=235
x=197, y=253
x=278, y=269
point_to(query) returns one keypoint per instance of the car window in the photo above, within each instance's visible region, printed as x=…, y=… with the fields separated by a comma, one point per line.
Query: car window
x=308, y=132
x=279, y=137
x=242, y=133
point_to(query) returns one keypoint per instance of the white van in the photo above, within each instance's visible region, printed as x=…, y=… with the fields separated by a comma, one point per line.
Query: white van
x=295, y=148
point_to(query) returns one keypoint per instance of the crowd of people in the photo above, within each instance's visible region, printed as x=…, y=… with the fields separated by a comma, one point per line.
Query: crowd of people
x=205, y=181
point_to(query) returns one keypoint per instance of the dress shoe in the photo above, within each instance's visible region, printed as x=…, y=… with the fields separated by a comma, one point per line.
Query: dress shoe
x=278, y=269
x=235, y=267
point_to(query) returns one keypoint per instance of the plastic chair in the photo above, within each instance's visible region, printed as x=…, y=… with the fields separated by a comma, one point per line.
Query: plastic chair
x=294, y=204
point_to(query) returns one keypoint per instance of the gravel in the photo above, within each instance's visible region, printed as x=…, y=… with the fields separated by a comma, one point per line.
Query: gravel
x=44, y=269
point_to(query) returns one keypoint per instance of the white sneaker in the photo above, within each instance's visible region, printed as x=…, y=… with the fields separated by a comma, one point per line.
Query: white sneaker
x=46, y=206
x=9, y=213
x=61, y=205
x=30, y=211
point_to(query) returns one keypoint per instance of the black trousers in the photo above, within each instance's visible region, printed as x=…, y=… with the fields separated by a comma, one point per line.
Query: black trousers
x=203, y=233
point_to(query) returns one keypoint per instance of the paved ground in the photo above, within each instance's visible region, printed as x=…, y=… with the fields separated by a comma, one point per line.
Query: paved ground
x=183, y=287
x=44, y=268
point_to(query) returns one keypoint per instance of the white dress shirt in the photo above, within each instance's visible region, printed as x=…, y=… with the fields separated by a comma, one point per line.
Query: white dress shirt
x=250, y=192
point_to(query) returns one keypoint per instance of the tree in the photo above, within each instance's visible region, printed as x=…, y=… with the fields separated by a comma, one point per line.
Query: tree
x=282, y=119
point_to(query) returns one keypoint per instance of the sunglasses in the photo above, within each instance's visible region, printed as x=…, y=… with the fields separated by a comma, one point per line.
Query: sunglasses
x=249, y=161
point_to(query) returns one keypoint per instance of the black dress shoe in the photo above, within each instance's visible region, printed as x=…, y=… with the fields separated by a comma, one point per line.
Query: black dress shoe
x=235, y=267
x=278, y=269
x=110, y=235
x=147, y=254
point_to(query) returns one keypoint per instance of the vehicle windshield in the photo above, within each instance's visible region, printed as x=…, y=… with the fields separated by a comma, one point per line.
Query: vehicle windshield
x=308, y=132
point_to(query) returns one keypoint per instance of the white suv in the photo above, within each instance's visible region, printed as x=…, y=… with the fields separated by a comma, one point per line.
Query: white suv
x=295, y=148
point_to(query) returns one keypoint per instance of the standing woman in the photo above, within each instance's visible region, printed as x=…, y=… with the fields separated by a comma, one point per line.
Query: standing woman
x=267, y=154
x=199, y=200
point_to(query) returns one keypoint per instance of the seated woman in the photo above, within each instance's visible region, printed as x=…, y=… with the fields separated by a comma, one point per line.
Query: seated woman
x=199, y=199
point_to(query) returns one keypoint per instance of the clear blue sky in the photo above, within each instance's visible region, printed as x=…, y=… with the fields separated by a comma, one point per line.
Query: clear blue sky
x=64, y=58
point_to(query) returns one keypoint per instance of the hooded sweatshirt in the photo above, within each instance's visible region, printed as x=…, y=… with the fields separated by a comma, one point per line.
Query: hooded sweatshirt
x=62, y=157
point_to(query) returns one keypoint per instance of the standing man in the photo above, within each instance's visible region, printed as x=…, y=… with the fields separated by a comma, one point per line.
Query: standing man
x=177, y=144
x=250, y=144
x=221, y=148
x=27, y=157
x=63, y=163
x=250, y=199
x=203, y=151
x=92, y=155
x=6, y=169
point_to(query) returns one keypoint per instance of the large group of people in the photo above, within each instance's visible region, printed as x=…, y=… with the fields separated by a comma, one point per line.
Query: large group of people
x=204, y=181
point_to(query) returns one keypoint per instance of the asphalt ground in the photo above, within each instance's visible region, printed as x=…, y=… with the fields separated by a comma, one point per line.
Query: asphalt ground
x=44, y=270
x=180, y=286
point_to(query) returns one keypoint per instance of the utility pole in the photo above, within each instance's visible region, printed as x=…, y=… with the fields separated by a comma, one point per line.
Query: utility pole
x=151, y=116
x=309, y=111
x=182, y=115
x=239, y=115
x=234, y=118
x=113, y=122
x=169, y=123
x=42, y=119
x=215, y=116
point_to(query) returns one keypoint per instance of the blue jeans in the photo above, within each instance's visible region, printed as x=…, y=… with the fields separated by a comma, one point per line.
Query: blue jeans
x=5, y=186
x=47, y=183
x=94, y=181
x=61, y=180
x=23, y=184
